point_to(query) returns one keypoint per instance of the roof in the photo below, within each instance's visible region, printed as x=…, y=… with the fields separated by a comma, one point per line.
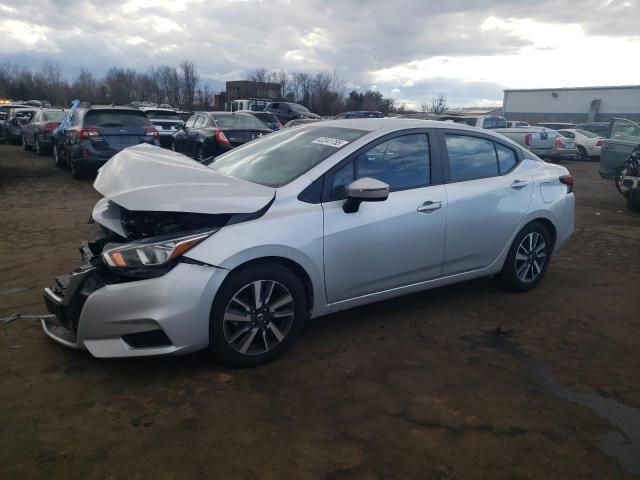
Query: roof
x=393, y=123
x=157, y=109
x=564, y=89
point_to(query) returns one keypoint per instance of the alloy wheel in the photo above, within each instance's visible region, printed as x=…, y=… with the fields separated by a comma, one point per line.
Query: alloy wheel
x=530, y=257
x=258, y=317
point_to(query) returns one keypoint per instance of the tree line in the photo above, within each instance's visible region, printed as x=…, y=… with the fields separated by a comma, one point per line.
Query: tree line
x=182, y=87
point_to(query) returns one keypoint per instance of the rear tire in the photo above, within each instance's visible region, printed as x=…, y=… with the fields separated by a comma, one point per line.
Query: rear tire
x=244, y=332
x=77, y=171
x=39, y=149
x=528, y=258
x=58, y=161
x=582, y=154
x=199, y=153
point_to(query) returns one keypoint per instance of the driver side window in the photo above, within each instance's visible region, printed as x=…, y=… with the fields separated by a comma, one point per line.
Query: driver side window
x=401, y=162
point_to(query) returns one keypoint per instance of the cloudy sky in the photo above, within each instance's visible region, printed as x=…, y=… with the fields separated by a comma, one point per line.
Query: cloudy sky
x=409, y=50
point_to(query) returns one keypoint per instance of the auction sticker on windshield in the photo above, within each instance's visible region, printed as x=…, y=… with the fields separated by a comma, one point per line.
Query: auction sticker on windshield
x=331, y=142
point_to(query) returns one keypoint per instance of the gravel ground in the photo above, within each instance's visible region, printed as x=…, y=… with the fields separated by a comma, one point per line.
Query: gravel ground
x=417, y=387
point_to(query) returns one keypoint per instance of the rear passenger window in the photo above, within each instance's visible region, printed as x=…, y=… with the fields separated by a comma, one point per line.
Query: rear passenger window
x=402, y=162
x=471, y=157
x=506, y=158
x=191, y=121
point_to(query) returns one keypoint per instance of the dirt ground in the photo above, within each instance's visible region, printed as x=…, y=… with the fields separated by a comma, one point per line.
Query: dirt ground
x=416, y=387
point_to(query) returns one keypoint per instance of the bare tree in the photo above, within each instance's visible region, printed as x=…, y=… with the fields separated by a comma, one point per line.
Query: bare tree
x=190, y=80
x=424, y=107
x=439, y=103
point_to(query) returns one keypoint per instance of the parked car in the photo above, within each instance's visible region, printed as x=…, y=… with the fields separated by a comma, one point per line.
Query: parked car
x=624, y=137
x=479, y=121
x=516, y=123
x=97, y=133
x=300, y=121
x=556, y=126
x=601, y=129
x=359, y=114
x=565, y=149
x=11, y=128
x=37, y=132
x=209, y=134
x=538, y=140
x=250, y=104
x=589, y=143
x=184, y=115
x=166, y=121
x=286, y=111
x=267, y=118
x=298, y=224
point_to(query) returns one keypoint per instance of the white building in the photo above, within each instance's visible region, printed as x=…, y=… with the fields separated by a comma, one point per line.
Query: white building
x=576, y=105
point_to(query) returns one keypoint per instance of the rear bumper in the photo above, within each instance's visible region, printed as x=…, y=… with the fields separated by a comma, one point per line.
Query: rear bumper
x=561, y=154
x=159, y=316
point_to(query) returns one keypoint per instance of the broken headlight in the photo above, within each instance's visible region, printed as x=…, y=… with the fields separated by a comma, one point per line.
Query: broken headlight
x=151, y=252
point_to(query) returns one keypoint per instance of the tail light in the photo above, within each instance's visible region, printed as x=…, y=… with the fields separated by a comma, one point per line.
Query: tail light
x=527, y=139
x=153, y=132
x=599, y=143
x=278, y=126
x=87, y=133
x=558, y=142
x=222, y=138
x=50, y=127
x=568, y=181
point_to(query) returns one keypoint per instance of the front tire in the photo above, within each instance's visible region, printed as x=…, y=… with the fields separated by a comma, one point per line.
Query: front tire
x=256, y=315
x=528, y=258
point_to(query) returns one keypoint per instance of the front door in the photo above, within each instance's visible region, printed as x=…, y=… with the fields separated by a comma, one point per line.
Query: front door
x=388, y=244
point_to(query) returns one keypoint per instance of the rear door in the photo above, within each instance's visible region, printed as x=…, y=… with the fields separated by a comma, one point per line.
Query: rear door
x=180, y=137
x=388, y=244
x=625, y=135
x=118, y=129
x=193, y=134
x=488, y=195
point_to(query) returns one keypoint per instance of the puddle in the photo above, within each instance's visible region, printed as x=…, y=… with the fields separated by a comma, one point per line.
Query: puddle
x=8, y=291
x=623, y=444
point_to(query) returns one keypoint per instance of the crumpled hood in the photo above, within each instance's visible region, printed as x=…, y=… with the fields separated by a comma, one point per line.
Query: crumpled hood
x=145, y=177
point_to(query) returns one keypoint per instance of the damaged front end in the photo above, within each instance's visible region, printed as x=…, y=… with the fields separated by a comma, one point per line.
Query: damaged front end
x=155, y=243
x=135, y=281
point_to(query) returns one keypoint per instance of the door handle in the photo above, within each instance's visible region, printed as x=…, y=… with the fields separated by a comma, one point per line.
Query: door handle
x=429, y=206
x=519, y=184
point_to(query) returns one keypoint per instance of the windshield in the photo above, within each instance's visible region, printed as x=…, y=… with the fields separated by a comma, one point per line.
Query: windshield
x=279, y=158
x=587, y=133
x=298, y=108
x=55, y=116
x=116, y=118
x=162, y=115
x=238, y=121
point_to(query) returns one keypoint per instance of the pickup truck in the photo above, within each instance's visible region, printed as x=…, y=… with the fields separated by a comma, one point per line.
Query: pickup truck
x=538, y=140
x=623, y=137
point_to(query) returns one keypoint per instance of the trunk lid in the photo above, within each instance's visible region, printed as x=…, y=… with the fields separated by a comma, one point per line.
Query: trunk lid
x=239, y=136
x=149, y=178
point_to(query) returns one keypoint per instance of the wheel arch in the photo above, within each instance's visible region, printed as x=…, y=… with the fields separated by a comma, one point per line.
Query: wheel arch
x=291, y=265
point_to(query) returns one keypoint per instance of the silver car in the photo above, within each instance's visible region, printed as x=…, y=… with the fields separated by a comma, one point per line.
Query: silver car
x=237, y=255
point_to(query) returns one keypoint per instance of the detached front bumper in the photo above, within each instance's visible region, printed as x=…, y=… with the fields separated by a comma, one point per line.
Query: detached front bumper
x=156, y=316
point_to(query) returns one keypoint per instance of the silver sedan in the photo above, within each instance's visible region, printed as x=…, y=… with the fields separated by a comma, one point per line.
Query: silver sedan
x=237, y=255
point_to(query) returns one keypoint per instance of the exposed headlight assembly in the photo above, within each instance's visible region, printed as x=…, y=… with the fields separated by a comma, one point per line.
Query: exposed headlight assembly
x=151, y=253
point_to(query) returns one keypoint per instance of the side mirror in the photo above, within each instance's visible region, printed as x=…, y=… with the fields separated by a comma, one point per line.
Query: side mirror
x=364, y=190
